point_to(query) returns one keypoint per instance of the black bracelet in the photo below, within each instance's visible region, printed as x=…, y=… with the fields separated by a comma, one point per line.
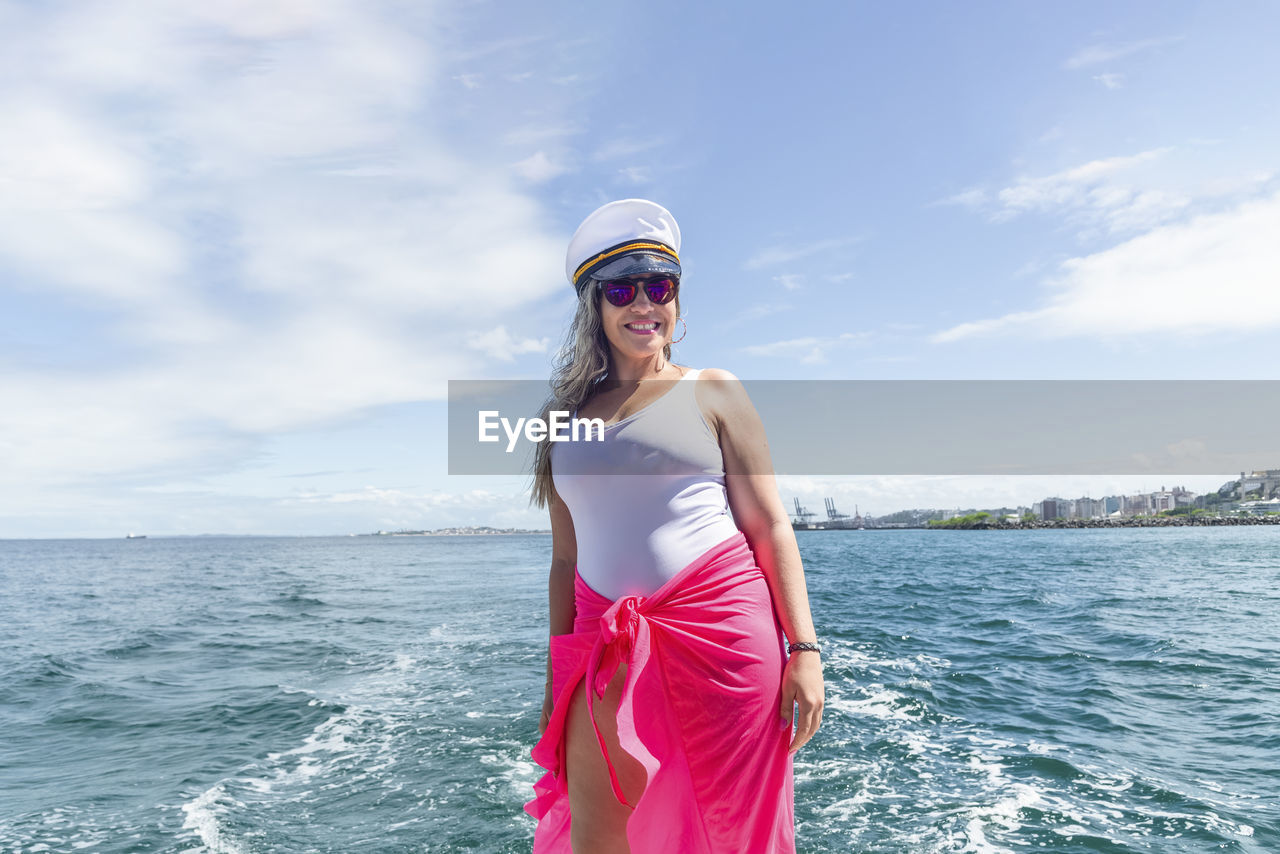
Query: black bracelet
x=803, y=647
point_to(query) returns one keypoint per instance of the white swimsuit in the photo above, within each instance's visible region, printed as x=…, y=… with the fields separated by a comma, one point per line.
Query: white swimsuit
x=649, y=499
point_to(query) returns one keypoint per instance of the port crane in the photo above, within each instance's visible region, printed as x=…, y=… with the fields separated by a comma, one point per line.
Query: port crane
x=804, y=516
x=832, y=514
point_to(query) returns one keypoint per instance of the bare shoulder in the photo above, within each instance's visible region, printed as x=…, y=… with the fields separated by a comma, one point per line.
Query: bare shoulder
x=722, y=397
x=720, y=385
x=717, y=374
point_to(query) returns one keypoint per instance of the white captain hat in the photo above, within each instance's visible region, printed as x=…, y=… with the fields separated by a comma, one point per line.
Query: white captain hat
x=623, y=238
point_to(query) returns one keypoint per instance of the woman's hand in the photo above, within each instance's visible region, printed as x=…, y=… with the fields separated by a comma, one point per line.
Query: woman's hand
x=802, y=689
x=546, y=711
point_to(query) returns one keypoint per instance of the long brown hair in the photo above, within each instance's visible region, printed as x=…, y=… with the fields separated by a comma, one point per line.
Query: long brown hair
x=583, y=361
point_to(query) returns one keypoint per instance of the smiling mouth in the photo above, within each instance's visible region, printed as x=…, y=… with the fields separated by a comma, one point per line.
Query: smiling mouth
x=645, y=328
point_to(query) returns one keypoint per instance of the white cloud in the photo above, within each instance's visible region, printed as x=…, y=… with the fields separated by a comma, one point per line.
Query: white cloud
x=754, y=312
x=775, y=255
x=72, y=190
x=1053, y=134
x=539, y=168
x=409, y=509
x=181, y=509
x=620, y=148
x=501, y=345
x=633, y=175
x=1213, y=273
x=1101, y=196
x=261, y=211
x=493, y=47
x=1100, y=53
x=974, y=197
x=790, y=281
x=1111, y=81
x=811, y=350
x=1070, y=186
x=1120, y=196
x=536, y=134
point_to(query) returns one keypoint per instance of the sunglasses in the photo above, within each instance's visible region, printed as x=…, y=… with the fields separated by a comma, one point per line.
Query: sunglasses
x=623, y=292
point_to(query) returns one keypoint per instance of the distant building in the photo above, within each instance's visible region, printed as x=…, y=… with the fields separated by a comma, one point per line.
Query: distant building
x=1171, y=499
x=1266, y=483
x=1136, y=505
x=1053, y=508
x=1260, y=508
x=1086, y=508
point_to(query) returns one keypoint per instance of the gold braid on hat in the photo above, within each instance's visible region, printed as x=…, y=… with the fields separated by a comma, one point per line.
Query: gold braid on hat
x=595, y=262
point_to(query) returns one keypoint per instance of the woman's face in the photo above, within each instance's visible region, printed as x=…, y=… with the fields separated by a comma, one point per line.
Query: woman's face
x=641, y=329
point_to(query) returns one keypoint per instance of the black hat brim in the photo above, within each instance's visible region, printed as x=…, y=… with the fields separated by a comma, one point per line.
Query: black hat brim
x=637, y=264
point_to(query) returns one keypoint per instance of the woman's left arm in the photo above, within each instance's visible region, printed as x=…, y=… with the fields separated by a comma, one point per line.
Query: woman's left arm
x=758, y=511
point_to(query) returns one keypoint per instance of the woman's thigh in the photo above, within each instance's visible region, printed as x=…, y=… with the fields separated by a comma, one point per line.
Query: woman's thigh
x=591, y=799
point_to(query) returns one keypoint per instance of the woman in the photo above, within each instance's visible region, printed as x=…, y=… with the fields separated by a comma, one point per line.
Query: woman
x=667, y=720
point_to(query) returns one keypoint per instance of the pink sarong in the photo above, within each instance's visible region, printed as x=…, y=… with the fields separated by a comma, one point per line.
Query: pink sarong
x=699, y=710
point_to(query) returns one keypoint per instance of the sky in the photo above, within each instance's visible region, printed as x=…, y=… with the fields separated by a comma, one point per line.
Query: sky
x=244, y=246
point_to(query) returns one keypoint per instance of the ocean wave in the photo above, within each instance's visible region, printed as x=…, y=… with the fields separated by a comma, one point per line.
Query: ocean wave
x=204, y=815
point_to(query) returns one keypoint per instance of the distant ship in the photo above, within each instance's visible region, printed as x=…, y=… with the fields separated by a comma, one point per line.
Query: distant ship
x=133, y=536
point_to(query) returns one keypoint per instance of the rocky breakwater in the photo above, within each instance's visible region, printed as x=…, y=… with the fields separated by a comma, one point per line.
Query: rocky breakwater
x=1137, y=522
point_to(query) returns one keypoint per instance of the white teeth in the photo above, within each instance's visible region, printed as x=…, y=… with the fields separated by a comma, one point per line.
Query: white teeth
x=642, y=326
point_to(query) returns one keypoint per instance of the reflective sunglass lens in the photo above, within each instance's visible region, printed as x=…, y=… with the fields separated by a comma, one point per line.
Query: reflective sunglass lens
x=661, y=291
x=620, y=293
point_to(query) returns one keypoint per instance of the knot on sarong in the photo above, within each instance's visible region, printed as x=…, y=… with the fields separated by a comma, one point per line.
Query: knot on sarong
x=624, y=636
x=620, y=619
x=618, y=627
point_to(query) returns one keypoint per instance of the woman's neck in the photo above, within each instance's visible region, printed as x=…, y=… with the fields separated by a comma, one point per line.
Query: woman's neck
x=635, y=370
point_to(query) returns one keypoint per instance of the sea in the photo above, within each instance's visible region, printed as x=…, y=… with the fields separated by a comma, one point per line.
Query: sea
x=987, y=691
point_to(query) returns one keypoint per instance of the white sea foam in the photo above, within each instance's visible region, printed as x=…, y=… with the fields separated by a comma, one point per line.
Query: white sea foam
x=861, y=659
x=948, y=760
x=916, y=742
x=975, y=839
x=517, y=774
x=882, y=704
x=844, y=811
x=62, y=829
x=347, y=748
x=202, y=817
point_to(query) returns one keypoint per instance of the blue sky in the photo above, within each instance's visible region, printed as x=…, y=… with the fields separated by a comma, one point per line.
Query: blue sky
x=244, y=246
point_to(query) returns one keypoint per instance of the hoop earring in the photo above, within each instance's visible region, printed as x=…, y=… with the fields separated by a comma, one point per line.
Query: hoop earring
x=682, y=334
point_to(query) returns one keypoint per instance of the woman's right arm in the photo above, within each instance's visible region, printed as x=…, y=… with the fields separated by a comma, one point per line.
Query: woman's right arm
x=564, y=559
